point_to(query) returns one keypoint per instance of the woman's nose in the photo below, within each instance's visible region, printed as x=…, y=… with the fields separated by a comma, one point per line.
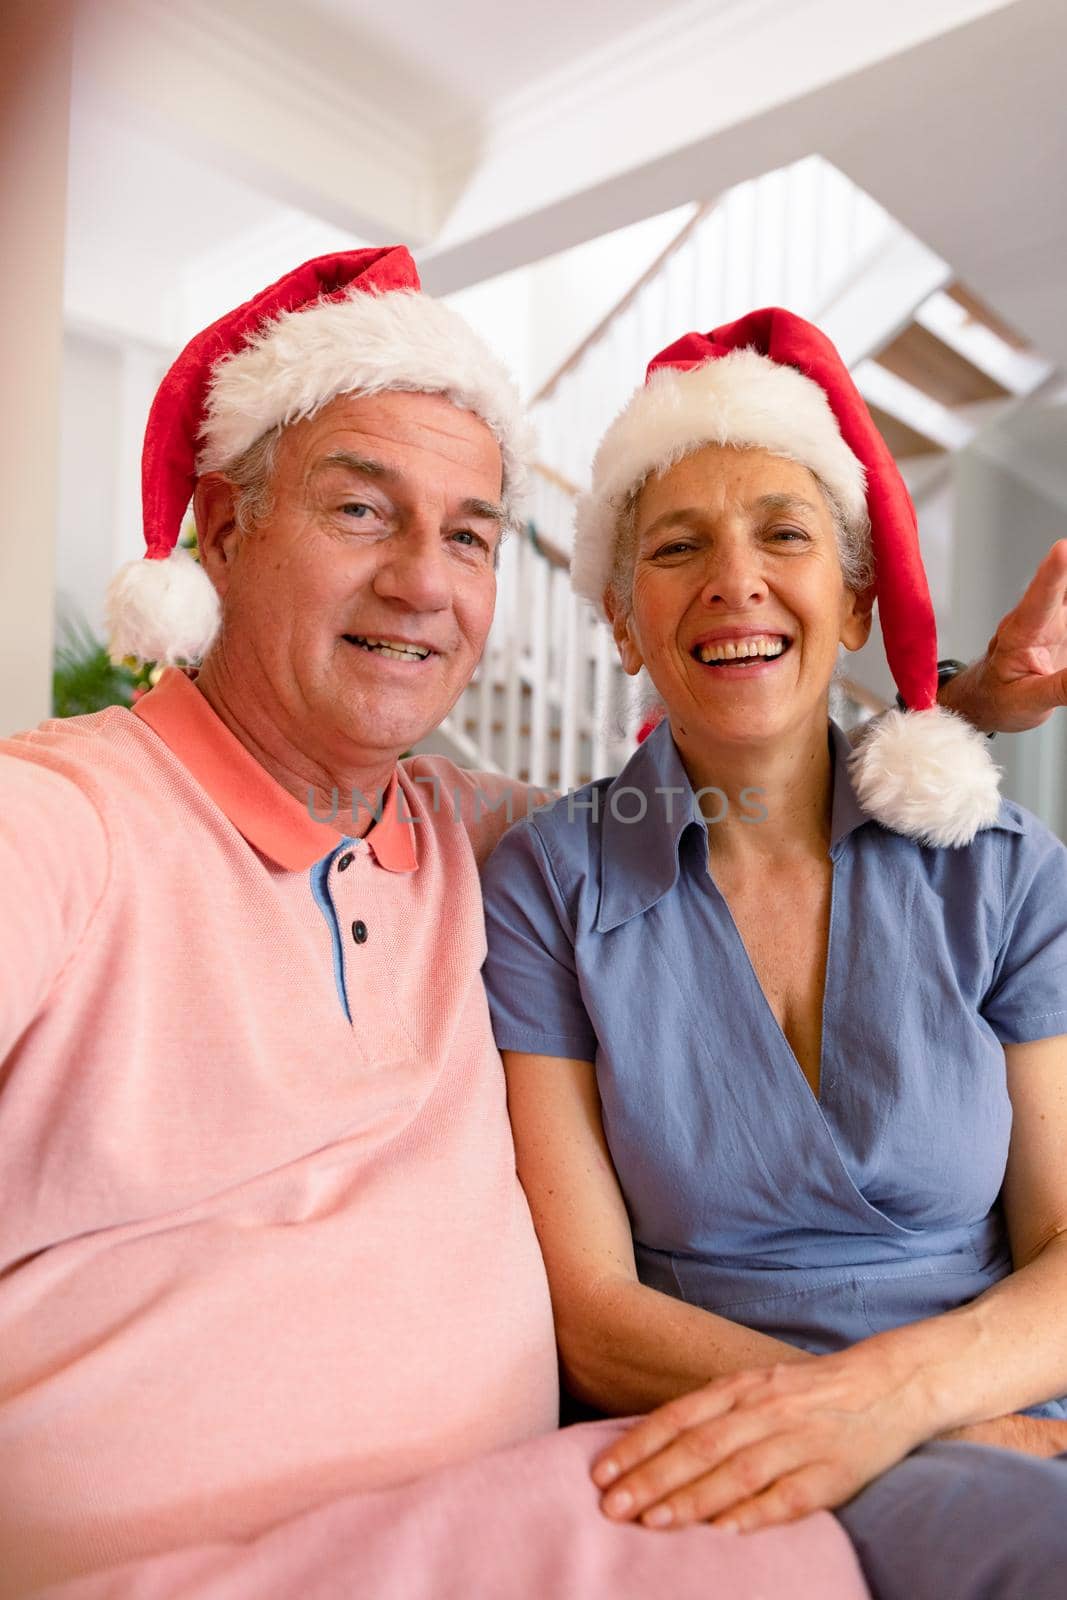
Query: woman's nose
x=733, y=575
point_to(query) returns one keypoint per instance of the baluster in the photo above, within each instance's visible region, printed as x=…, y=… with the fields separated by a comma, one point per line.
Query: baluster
x=572, y=682
x=514, y=657
x=539, y=643
x=771, y=247
x=607, y=674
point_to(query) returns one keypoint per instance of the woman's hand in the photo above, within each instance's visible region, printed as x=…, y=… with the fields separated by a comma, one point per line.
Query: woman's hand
x=764, y=1446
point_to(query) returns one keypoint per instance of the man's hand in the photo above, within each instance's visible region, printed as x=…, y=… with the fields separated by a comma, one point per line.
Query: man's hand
x=1034, y=1436
x=762, y=1447
x=1022, y=677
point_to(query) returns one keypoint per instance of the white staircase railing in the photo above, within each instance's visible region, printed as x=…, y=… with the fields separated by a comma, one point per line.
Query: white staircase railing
x=550, y=703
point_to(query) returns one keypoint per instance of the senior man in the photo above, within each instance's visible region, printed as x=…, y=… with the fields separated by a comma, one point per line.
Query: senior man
x=270, y=1297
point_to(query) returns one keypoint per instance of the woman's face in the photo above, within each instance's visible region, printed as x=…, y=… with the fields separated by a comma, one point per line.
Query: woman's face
x=738, y=603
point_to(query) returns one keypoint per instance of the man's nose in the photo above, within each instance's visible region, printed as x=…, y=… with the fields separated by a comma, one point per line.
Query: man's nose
x=414, y=570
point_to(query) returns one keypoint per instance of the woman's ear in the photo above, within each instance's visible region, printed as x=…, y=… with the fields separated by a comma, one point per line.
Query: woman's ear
x=217, y=533
x=629, y=654
x=858, y=618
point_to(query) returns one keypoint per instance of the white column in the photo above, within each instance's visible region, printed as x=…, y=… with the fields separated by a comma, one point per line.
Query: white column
x=35, y=74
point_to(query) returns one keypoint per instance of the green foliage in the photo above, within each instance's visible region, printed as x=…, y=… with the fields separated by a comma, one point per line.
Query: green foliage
x=84, y=678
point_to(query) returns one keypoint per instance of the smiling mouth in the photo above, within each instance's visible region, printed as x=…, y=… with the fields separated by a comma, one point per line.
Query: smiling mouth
x=395, y=649
x=742, y=652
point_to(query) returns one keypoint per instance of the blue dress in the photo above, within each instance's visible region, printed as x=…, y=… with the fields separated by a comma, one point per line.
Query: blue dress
x=818, y=1220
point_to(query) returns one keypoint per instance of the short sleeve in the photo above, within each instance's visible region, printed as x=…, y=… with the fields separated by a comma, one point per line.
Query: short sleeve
x=530, y=972
x=1028, y=996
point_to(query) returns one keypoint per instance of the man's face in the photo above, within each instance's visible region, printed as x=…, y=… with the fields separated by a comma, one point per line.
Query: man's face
x=362, y=604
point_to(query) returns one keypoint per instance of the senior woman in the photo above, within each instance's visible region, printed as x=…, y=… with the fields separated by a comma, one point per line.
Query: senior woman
x=785, y=1026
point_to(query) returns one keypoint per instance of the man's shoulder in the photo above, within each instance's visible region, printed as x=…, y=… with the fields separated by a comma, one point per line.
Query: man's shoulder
x=560, y=840
x=84, y=779
x=94, y=754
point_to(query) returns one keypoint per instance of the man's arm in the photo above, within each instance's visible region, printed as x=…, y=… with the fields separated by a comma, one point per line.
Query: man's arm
x=54, y=864
x=1022, y=678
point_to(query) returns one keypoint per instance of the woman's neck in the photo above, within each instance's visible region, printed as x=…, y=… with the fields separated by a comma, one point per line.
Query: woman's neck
x=778, y=796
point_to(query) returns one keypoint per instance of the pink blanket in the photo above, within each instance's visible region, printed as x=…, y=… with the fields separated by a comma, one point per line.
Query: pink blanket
x=521, y=1524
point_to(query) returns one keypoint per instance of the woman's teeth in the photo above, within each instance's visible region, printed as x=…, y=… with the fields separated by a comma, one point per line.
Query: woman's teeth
x=760, y=647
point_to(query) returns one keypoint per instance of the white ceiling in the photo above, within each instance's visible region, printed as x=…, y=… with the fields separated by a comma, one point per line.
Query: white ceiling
x=215, y=141
x=477, y=52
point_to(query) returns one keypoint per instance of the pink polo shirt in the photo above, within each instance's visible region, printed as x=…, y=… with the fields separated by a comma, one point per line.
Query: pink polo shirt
x=261, y=1239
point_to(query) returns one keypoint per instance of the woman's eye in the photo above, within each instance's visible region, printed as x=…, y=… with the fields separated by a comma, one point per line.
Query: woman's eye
x=789, y=533
x=675, y=548
x=358, y=510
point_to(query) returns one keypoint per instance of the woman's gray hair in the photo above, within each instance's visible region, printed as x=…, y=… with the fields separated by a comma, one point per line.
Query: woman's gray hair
x=853, y=545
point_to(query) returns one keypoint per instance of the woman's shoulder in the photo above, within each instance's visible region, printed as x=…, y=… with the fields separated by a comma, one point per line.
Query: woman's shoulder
x=1027, y=849
x=563, y=835
x=1016, y=859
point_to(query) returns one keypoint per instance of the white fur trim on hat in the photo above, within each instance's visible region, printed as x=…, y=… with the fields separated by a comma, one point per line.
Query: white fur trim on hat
x=364, y=344
x=743, y=399
x=163, y=611
x=927, y=774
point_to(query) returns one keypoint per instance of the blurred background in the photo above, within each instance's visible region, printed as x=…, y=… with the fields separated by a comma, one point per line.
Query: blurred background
x=585, y=182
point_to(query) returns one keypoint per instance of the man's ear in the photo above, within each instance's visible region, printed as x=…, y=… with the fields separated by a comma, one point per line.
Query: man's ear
x=856, y=628
x=629, y=654
x=217, y=533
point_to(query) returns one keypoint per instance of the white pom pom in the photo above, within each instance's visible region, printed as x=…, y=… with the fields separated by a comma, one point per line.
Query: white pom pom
x=164, y=611
x=927, y=774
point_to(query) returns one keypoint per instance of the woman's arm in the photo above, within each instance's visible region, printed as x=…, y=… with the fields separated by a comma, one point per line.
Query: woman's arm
x=1007, y=1348
x=764, y=1447
x=623, y=1347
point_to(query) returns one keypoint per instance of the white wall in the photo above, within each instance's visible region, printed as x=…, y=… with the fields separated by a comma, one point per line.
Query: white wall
x=572, y=291
x=106, y=390
x=536, y=316
x=87, y=478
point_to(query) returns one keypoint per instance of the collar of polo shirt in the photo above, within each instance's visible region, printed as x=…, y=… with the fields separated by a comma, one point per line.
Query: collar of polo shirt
x=268, y=816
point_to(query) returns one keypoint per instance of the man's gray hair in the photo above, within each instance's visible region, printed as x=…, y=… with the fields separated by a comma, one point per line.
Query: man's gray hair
x=252, y=474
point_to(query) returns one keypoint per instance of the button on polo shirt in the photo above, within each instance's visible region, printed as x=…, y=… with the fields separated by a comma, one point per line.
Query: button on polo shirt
x=262, y=1242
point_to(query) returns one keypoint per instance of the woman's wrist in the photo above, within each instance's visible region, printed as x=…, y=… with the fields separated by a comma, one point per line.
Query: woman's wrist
x=917, y=1368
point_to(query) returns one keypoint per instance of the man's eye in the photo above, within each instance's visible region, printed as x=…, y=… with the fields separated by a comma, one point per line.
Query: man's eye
x=358, y=510
x=465, y=536
x=789, y=533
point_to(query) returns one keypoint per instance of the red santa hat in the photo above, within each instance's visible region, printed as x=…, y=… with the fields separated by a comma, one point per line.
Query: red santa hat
x=773, y=381
x=353, y=322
